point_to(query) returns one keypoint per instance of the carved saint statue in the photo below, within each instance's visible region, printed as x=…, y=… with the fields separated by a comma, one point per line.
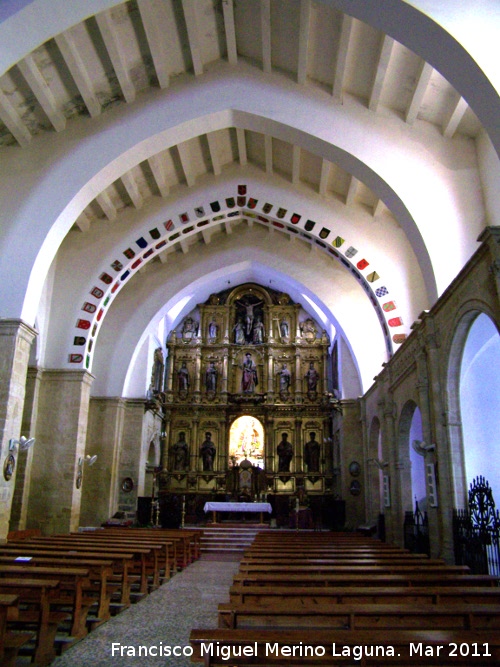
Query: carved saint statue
x=311, y=453
x=285, y=453
x=312, y=377
x=284, y=328
x=239, y=333
x=183, y=377
x=181, y=453
x=212, y=330
x=207, y=452
x=284, y=378
x=211, y=377
x=258, y=331
x=249, y=379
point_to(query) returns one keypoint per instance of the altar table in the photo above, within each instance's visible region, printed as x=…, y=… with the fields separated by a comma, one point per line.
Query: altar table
x=215, y=507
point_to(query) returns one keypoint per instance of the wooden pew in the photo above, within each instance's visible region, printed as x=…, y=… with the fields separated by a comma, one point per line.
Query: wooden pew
x=73, y=582
x=35, y=595
x=361, y=616
x=9, y=610
x=189, y=541
x=386, y=579
x=355, y=567
x=120, y=561
x=99, y=573
x=146, y=555
x=167, y=557
x=305, y=555
x=328, y=595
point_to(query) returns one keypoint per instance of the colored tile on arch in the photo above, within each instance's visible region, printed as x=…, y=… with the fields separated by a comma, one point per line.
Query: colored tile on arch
x=389, y=305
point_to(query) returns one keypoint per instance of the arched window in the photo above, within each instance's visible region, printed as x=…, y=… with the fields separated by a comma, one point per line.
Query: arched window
x=417, y=463
x=480, y=402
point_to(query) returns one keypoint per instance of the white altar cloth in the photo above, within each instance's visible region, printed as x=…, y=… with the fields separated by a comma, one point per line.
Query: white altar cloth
x=237, y=507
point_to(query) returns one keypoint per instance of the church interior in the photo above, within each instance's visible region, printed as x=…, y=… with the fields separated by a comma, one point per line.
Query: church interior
x=250, y=253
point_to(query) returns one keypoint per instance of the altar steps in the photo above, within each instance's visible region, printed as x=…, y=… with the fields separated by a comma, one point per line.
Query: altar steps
x=227, y=540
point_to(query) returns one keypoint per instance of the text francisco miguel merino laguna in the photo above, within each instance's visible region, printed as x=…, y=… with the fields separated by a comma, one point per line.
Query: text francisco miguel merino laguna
x=299, y=650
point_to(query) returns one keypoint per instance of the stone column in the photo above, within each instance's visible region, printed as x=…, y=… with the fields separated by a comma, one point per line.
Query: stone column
x=54, y=504
x=270, y=378
x=269, y=445
x=133, y=456
x=170, y=366
x=15, y=345
x=298, y=379
x=100, y=482
x=195, y=445
x=197, y=377
x=224, y=375
x=394, y=515
x=164, y=440
x=444, y=547
x=297, y=446
x=19, y=509
x=429, y=439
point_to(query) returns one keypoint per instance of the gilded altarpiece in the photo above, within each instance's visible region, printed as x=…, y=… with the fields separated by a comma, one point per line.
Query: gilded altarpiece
x=248, y=352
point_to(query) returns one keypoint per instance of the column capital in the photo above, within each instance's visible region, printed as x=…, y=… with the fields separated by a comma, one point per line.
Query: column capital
x=12, y=327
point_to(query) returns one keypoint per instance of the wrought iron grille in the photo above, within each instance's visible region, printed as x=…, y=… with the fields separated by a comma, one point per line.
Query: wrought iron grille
x=476, y=531
x=416, y=531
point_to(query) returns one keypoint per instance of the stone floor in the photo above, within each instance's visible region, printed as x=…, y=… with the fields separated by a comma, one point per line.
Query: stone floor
x=164, y=618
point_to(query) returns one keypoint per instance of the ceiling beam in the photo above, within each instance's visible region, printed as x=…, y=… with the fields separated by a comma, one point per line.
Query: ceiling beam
x=381, y=72
x=454, y=117
x=265, y=28
x=214, y=153
x=423, y=78
x=42, y=92
x=325, y=175
x=159, y=172
x=193, y=34
x=351, y=192
x=83, y=222
x=184, y=246
x=268, y=150
x=132, y=189
x=296, y=165
x=117, y=57
x=206, y=235
x=242, y=145
x=341, y=59
x=108, y=208
x=13, y=121
x=185, y=162
x=304, y=36
x=157, y=40
x=228, y=12
x=378, y=208
x=74, y=62
x=227, y=227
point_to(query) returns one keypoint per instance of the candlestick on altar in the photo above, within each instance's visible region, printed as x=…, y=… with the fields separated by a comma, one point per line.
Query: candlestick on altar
x=297, y=507
x=183, y=511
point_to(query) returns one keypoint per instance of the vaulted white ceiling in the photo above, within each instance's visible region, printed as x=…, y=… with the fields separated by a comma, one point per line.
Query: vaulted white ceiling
x=369, y=135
